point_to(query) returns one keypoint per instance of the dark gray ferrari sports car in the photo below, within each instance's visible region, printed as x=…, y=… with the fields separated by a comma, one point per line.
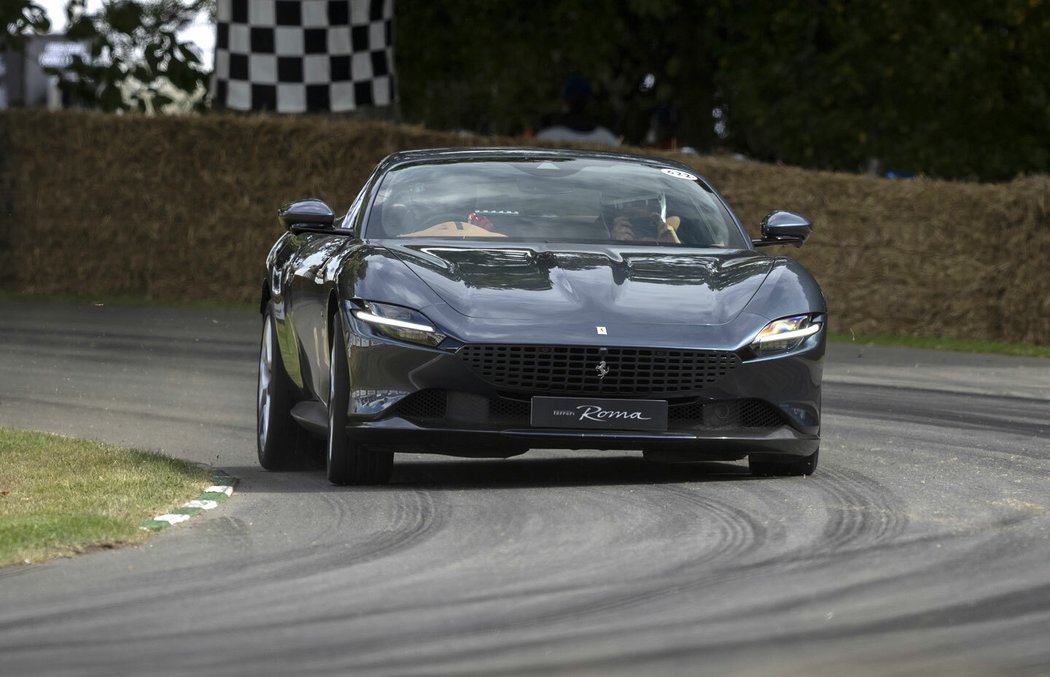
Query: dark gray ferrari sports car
x=482, y=302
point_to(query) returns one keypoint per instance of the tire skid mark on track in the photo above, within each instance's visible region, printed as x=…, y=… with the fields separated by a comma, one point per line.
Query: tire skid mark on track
x=862, y=511
x=946, y=613
x=378, y=607
x=703, y=642
x=858, y=583
x=693, y=576
x=732, y=524
x=642, y=591
x=743, y=532
x=412, y=520
x=685, y=581
x=860, y=514
x=384, y=660
x=737, y=534
x=1033, y=602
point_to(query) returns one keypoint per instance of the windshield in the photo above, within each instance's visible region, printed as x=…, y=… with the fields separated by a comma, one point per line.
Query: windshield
x=551, y=200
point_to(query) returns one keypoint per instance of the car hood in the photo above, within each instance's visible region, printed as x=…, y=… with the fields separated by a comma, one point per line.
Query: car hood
x=593, y=285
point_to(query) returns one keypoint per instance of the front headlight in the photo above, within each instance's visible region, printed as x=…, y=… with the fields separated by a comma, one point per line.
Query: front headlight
x=785, y=334
x=403, y=324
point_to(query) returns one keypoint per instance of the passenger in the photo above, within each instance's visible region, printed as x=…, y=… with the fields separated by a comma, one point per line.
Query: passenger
x=481, y=221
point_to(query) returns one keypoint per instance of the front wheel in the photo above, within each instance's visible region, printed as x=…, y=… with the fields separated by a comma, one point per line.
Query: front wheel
x=766, y=466
x=281, y=442
x=349, y=462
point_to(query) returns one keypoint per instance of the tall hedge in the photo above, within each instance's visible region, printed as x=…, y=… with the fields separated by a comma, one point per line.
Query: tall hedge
x=98, y=204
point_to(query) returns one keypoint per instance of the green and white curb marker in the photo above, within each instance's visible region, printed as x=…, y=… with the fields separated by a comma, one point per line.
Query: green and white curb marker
x=219, y=491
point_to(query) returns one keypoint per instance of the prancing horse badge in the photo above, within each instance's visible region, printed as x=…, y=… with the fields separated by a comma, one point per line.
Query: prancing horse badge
x=602, y=331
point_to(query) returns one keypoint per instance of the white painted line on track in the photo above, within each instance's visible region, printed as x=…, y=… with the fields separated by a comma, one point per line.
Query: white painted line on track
x=209, y=499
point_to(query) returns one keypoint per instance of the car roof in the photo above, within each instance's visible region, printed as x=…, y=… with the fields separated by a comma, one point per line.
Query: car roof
x=526, y=153
x=467, y=154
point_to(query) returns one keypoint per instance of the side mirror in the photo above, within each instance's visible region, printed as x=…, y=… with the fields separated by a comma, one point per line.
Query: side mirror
x=780, y=227
x=306, y=215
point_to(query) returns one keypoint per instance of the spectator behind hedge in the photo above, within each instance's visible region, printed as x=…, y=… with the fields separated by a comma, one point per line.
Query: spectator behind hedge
x=574, y=123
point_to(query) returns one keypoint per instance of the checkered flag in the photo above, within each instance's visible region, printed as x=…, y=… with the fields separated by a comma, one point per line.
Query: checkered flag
x=298, y=56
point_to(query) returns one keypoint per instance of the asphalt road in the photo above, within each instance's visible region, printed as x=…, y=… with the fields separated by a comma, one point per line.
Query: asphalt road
x=922, y=544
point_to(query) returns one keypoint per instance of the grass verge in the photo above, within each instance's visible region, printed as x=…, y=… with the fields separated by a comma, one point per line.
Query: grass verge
x=61, y=496
x=958, y=345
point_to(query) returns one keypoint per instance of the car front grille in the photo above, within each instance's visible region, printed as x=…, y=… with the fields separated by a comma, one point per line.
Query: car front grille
x=436, y=408
x=577, y=370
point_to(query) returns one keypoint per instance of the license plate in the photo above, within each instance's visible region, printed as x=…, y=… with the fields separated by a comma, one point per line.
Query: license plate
x=599, y=414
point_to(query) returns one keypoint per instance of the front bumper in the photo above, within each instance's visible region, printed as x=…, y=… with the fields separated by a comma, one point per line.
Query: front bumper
x=403, y=436
x=423, y=400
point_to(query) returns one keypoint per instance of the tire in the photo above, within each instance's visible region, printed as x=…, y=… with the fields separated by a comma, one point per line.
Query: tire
x=281, y=442
x=347, y=461
x=793, y=467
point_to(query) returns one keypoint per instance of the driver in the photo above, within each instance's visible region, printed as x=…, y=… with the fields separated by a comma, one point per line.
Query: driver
x=643, y=221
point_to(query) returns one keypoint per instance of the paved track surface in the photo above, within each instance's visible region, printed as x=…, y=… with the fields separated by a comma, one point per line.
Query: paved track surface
x=920, y=546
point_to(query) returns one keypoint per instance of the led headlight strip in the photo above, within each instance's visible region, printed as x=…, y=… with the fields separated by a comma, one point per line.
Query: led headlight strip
x=368, y=317
x=399, y=323
x=785, y=334
x=789, y=335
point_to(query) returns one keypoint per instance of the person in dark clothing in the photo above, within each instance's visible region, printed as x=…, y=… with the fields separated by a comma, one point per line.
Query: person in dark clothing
x=574, y=123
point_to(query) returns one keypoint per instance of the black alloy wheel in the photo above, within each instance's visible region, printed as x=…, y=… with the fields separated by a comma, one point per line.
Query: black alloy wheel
x=282, y=443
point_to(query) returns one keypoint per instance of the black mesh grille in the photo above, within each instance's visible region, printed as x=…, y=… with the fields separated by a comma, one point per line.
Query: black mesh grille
x=423, y=404
x=690, y=411
x=758, y=414
x=724, y=415
x=574, y=370
x=504, y=408
x=431, y=407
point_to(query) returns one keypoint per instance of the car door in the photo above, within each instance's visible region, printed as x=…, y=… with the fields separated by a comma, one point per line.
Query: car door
x=306, y=291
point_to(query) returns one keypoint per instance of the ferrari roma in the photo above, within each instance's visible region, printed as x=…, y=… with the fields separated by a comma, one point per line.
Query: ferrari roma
x=482, y=302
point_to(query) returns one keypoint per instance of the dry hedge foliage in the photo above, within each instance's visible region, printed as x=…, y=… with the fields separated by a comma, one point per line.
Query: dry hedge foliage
x=185, y=209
